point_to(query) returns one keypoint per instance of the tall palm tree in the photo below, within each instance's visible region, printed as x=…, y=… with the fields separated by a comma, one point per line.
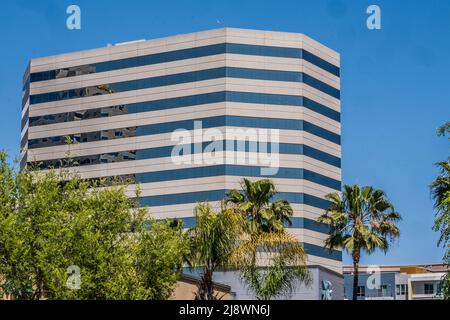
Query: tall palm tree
x=362, y=220
x=440, y=190
x=270, y=259
x=212, y=242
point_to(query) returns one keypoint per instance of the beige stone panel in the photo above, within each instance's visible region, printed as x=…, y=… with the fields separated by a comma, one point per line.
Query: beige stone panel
x=318, y=96
x=321, y=51
x=131, y=49
x=333, y=265
x=221, y=182
x=183, y=41
x=309, y=236
x=263, y=62
x=182, y=45
x=282, y=64
x=25, y=109
x=285, y=161
x=322, y=168
x=286, y=185
x=306, y=211
x=321, y=74
x=321, y=144
x=283, y=87
x=282, y=112
x=24, y=130
x=178, y=186
x=326, y=122
x=295, y=136
x=299, y=42
x=84, y=57
x=178, y=210
x=187, y=210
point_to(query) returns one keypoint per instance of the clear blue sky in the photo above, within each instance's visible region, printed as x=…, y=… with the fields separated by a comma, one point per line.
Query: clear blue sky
x=395, y=81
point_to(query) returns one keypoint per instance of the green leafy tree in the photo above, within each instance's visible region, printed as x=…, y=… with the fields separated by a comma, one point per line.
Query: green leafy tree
x=362, y=220
x=270, y=259
x=440, y=189
x=53, y=222
x=160, y=257
x=212, y=241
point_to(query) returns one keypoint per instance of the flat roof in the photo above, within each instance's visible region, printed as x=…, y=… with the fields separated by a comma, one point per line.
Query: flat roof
x=407, y=268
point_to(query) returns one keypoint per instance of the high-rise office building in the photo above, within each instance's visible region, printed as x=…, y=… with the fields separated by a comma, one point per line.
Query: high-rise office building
x=187, y=116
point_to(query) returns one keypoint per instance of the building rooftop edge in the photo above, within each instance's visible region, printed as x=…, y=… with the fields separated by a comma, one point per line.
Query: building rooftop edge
x=396, y=265
x=137, y=43
x=430, y=267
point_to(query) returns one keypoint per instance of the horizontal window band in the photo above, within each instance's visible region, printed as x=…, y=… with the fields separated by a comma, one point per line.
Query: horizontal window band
x=235, y=170
x=297, y=223
x=310, y=250
x=211, y=122
x=186, y=77
x=187, y=101
x=183, y=54
x=227, y=170
x=218, y=195
x=318, y=251
x=166, y=151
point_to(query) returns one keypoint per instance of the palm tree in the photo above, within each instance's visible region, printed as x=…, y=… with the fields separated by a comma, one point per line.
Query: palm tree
x=444, y=129
x=440, y=190
x=270, y=259
x=255, y=203
x=361, y=221
x=212, y=241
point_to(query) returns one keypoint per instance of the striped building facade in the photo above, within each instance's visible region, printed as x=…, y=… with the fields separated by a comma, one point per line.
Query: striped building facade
x=121, y=104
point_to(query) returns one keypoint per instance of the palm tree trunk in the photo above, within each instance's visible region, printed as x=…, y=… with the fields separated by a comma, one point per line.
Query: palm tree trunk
x=205, y=288
x=355, y=256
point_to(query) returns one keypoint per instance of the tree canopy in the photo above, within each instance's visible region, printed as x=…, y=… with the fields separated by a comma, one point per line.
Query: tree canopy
x=440, y=190
x=361, y=220
x=62, y=237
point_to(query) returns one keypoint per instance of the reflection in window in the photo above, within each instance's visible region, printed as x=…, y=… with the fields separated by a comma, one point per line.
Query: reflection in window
x=74, y=71
x=87, y=160
x=428, y=288
x=83, y=137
